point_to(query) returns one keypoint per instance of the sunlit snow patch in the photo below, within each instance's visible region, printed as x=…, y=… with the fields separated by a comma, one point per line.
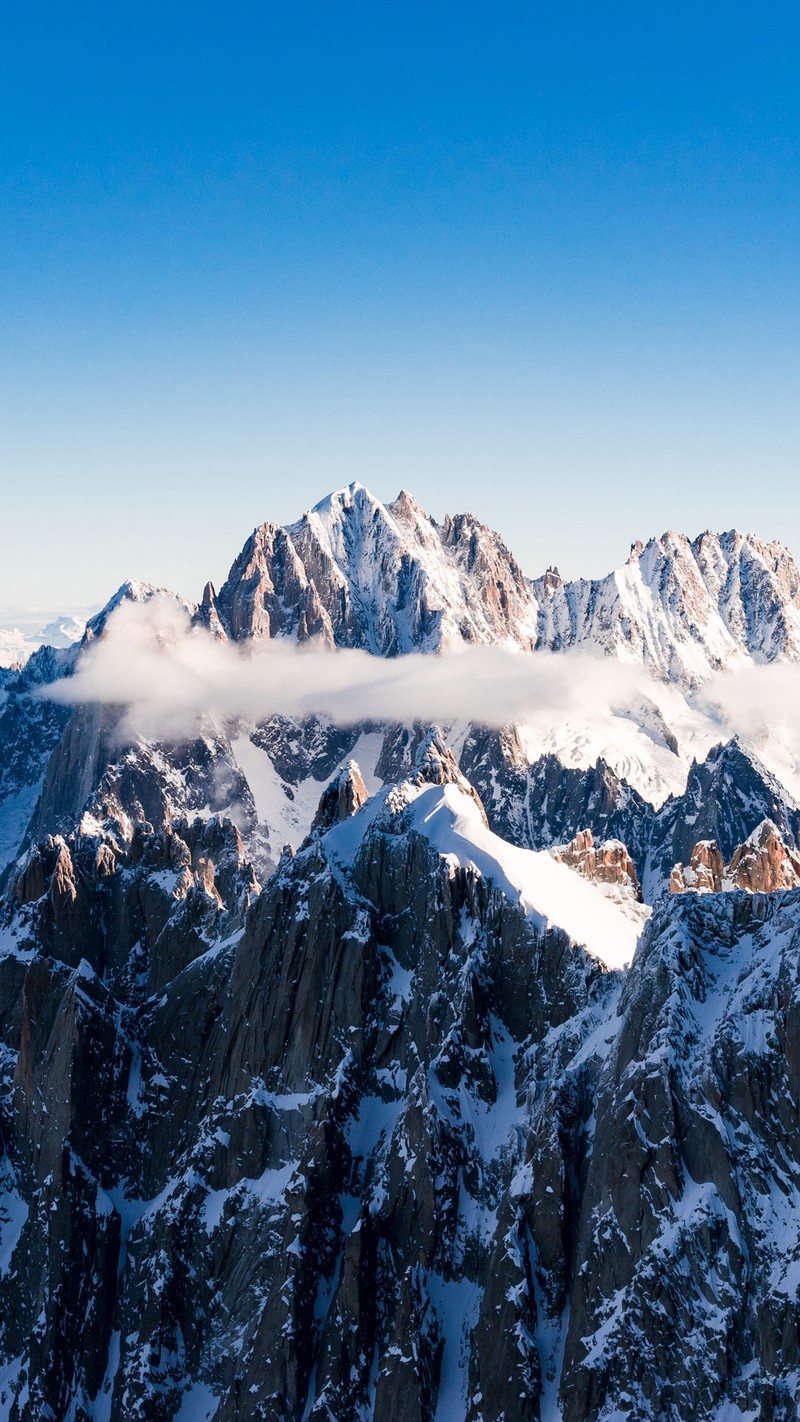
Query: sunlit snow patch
x=451, y=822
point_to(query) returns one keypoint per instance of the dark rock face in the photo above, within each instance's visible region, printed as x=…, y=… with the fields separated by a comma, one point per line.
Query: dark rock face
x=304, y=1114
x=30, y=729
x=548, y=803
x=57, y=763
x=300, y=749
x=685, y=1292
x=95, y=770
x=373, y=1143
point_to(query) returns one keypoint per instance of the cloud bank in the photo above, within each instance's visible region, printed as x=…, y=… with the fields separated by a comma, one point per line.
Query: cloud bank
x=167, y=675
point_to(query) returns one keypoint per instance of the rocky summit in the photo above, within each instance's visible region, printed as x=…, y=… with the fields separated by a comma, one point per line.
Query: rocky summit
x=398, y=1072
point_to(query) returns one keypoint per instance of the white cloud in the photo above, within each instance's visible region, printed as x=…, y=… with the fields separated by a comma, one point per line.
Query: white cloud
x=755, y=701
x=168, y=675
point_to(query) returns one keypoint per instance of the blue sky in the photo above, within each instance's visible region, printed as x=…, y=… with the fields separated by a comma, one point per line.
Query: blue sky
x=537, y=261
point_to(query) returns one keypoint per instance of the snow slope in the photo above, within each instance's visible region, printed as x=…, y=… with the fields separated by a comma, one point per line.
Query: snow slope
x=554, y=894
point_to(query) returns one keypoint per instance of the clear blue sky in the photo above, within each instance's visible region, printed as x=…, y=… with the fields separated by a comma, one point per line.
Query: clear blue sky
x=540, y=261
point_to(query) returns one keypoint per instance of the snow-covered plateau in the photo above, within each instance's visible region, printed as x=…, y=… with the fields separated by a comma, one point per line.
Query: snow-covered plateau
x=405, y=1067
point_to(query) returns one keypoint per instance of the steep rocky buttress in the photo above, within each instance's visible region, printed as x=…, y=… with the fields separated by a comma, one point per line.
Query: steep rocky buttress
x=379, y=1141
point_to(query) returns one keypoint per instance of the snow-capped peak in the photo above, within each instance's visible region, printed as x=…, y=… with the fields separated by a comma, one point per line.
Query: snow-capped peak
x=685, y=608
x=387, y=577
x=132, y=590
x=361, y=573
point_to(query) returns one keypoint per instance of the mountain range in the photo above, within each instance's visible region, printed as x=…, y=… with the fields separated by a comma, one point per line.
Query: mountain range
x=388, y=1070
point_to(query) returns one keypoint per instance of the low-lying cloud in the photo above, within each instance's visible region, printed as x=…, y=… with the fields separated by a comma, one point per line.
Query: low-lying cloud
x=166, y=675
x=755, y=700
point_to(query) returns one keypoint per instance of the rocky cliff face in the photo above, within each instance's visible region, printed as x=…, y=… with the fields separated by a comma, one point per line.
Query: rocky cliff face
x=704, y=873
x=384, y=1140
x=685, y=1284
x=726, y=799
x=30, y=730
x=359, y=573
x=764, y=864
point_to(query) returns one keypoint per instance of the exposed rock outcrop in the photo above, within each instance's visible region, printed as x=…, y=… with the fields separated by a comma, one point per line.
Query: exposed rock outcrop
x=704, y=873
x=764, y=864
x=134, y=911
x=606, y=863
x=341, y=798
